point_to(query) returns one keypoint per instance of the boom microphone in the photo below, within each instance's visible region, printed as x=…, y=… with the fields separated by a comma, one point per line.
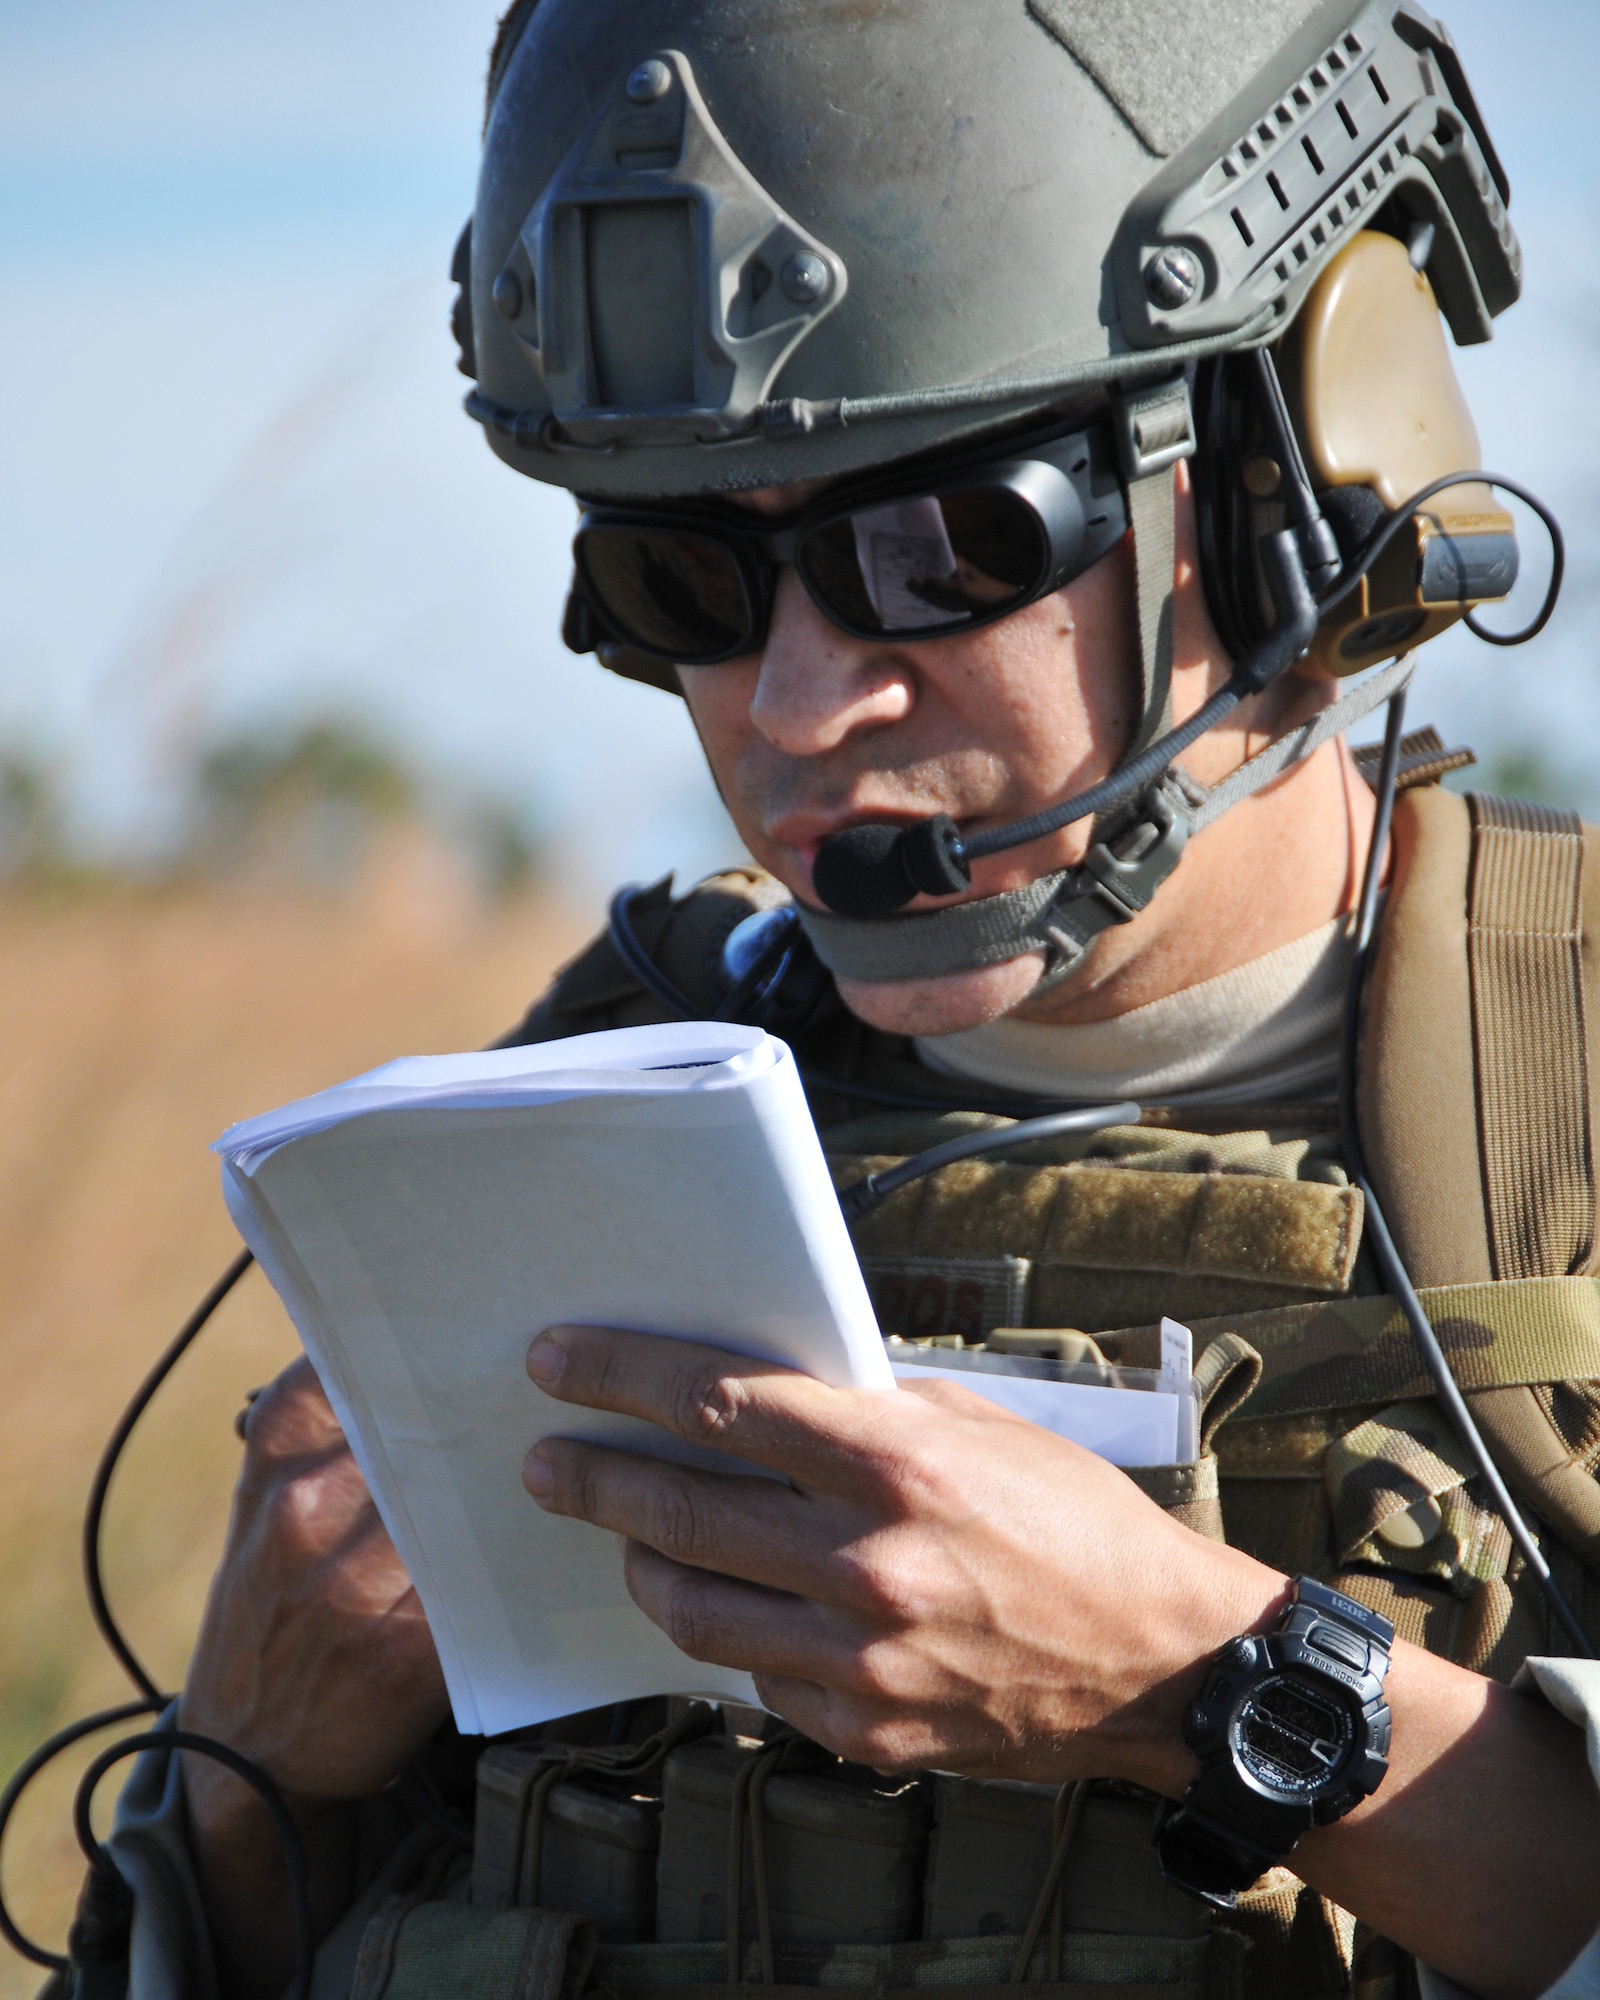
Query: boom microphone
x=874, y=870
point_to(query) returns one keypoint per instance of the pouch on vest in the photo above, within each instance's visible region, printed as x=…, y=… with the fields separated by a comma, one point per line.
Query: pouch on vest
x=833, y=1850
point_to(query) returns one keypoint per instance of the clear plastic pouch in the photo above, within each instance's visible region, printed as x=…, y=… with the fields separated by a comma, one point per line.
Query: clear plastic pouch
x=1131, y=1416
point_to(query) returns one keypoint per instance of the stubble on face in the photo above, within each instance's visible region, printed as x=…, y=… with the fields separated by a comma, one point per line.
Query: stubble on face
x=823, y=732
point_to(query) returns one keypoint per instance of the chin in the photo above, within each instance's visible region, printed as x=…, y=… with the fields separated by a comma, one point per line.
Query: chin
x=943, y=1006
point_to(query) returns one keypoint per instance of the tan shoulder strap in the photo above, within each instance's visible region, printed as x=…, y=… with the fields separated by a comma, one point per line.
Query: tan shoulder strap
x=1525, y=965
x=1419, y=1117
x=1478, y=1093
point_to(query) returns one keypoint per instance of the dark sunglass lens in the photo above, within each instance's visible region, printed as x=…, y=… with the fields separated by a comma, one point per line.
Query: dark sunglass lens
x=920, y=564
x=678, y=593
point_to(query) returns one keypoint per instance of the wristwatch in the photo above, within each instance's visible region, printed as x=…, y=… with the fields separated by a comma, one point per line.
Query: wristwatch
x=1292, y=1731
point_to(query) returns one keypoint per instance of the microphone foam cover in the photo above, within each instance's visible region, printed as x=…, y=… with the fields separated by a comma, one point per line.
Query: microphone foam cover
x=862, y=871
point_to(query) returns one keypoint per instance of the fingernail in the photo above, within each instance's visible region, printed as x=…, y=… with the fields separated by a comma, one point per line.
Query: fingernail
x=546, y=1359
x=537, y=1476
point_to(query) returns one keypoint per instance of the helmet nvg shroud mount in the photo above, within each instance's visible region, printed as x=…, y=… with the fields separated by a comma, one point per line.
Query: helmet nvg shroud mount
x=722, y=245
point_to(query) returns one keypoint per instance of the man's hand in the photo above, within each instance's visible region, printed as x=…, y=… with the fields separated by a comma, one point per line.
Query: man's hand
x=315, y=1661
x=939, y=1584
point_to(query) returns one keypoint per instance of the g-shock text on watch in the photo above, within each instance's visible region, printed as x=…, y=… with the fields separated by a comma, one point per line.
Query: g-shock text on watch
x=1292, y=1731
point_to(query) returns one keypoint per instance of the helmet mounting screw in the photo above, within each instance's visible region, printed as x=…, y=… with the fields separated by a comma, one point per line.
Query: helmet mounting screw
x=805, y=278
x=1172, y=277
x=650, y=81
x=507, y=294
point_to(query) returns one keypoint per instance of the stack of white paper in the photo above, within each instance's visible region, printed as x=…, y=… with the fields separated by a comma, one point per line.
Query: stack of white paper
x=425, y=1221
x=422, y=1223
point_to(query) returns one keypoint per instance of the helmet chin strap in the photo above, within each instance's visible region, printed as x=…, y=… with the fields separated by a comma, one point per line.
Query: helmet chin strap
x=1061, y=915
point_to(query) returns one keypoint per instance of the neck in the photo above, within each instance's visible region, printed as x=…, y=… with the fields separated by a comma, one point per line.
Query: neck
x=1278, y=866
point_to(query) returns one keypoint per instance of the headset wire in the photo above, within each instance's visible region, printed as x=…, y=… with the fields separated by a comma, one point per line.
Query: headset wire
x=115, y=1898
x=18, y=1783
x=94, y=1513
x=625, y=941
x=106, y=1896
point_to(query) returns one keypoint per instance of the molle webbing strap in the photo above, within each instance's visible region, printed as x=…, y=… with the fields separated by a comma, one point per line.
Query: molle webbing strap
x=1524, y=958
x=1341, y=1353
x=1307, y=737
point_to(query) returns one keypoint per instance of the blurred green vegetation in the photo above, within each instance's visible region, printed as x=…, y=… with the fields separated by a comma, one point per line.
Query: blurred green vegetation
x=303, y=807
x=1528, y=771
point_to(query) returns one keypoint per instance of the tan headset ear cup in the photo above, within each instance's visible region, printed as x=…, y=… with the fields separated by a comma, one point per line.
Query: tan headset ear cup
x=1377, y=405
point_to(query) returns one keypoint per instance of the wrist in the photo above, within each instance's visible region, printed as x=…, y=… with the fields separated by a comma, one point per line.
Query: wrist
x=239, y=1858
x=1210, y=1603
x=1291, y=1731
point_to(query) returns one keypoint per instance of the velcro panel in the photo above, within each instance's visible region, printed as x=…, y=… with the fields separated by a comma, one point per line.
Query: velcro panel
x=1524, y=953
x=1419, y=1111
x=1209, y=50
x=1254, y=1227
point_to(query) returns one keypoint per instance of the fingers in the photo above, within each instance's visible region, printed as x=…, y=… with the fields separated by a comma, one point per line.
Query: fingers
x=301, y=1496
x=858, y=1694
x=731, y=1624
x=841, y=1441
x=757, y=1530
x=292, y=1417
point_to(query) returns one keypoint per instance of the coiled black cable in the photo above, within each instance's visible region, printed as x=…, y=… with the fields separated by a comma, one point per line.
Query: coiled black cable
x=1396, y=1278
x=105, y=1871
x=23, y=1776
x=107, y=1899
x=1397, y=523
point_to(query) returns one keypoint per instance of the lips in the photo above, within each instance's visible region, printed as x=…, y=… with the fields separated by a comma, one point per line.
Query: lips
x=804, y=834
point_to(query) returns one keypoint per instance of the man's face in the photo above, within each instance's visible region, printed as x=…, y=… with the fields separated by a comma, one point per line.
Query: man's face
x=822, y=731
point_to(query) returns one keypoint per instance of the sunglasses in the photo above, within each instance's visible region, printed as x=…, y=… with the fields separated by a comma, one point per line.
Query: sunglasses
x=694, y=583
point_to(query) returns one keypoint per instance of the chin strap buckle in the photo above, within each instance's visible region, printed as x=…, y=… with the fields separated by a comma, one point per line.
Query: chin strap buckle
x=1119, y=875
x=1128, y=872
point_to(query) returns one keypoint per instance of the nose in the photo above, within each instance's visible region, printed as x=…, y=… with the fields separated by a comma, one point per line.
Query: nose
x=818, y=685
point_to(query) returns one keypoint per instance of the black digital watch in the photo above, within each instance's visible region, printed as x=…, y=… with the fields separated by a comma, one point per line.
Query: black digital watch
x=1292, y=1731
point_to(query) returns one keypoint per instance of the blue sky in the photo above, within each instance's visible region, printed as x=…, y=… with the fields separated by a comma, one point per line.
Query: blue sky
x=237, y=487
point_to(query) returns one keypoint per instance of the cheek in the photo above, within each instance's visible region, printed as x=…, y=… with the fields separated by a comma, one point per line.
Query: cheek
x=1083, y=647
x=1047, y=687
x=719, y=701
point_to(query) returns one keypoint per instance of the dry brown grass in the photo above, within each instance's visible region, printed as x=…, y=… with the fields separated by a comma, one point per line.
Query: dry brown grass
x=133, y=1028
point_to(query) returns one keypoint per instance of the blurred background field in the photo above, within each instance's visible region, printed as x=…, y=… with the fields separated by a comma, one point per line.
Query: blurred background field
x=306, y=941
x=295, y=775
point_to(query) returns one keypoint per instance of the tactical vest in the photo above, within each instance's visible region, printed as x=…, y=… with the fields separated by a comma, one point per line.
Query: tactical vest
x=612, y=1866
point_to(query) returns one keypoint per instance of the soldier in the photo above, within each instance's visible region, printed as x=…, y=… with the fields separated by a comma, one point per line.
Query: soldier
x=960, y=399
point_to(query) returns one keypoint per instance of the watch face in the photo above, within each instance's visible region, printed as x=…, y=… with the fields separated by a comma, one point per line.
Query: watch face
x=1291, y=1737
